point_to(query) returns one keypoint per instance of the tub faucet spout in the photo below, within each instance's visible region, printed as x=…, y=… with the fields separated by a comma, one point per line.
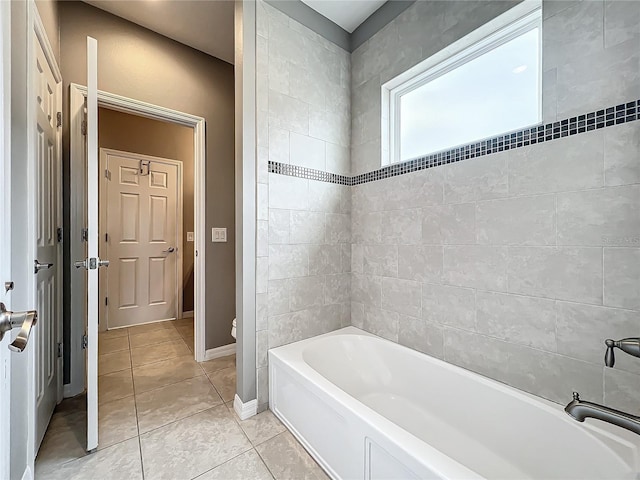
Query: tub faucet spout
x=579, y=410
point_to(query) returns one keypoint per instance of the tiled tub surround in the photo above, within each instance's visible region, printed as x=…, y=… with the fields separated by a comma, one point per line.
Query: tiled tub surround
x=517, y=264
x=590, y=59
x=304, y=226
x=606, y=117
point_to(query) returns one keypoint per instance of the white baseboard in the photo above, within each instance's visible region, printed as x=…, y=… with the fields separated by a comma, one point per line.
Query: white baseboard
x=222, y=351
x=188, y=314
x=28, y=474
x=71, y=390
x=245, y=410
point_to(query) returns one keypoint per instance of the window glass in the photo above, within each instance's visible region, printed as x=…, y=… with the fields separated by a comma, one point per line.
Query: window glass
x=493, y=93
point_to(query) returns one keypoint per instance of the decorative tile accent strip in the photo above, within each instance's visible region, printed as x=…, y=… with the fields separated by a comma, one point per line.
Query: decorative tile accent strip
x=309, y=173
x=623, y=113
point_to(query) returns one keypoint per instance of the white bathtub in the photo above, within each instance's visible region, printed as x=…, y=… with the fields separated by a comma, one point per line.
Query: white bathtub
x=367, y=408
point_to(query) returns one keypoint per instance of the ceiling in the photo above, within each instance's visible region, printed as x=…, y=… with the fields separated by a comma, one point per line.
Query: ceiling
x=349, y=14
x=204, y=25
x=208, y=25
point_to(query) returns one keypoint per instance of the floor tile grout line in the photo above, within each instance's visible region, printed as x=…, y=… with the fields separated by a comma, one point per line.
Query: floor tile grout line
x=216, y=388
x=156, y=343
x=239, y=422
x=141, y=457
x=167, y=385
x=271, y=438
x=181, y=419
x=111, y=401
x=135, y=406
x=115, y=371
x=264, y=461
x=158, y=361
x=224, y=463
x=112, y=352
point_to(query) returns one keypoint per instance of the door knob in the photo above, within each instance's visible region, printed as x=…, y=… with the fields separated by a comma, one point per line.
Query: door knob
x=80, y=264
x=24, y=320
x=169, y=250
x=91, y=263
x=37, y=266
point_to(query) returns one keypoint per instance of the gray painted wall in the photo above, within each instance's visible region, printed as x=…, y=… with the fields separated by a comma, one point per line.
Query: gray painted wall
x=519, y=264
x=137, y=63
x=50, y=16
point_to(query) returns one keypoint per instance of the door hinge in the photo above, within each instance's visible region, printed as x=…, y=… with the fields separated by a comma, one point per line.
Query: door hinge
x=84, y=234
x=107, y=174
x=59, y=233
x=85, y=342
x=106, y=237
x=106, y=301
x=59, y=119
x=83, y=127
x=60, y=350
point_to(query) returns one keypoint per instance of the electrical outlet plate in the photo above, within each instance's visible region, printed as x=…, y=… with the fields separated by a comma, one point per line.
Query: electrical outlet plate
x=189, y=236
x=218, y=235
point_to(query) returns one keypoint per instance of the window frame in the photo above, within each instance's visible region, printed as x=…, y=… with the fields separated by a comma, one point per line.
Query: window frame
x=518, y=20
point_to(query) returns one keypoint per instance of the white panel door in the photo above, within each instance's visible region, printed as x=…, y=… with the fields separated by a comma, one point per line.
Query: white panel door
x=47, y=197
x=92, y=261
x=141, y=201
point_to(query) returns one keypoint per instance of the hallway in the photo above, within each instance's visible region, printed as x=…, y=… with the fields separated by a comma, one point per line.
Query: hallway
x=163, y=415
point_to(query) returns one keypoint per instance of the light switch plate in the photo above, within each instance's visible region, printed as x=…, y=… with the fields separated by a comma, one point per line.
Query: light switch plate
x=189, y=236
x=218, y=234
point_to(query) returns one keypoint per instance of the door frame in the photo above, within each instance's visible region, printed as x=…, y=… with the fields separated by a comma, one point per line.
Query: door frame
x=119, y=103
x=5, y=238
x=103, y=202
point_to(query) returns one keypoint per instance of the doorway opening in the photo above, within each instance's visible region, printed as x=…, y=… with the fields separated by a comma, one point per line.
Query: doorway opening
x=148, y=339
x=116, y=109
x=146, y=210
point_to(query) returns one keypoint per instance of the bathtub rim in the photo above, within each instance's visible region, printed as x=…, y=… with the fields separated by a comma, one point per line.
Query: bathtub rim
x=290, y=357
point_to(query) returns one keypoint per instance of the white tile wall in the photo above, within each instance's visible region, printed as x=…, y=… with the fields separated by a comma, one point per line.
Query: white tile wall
x=539, y=278
x=304, y=230
x=519, y=264
x=516, y=265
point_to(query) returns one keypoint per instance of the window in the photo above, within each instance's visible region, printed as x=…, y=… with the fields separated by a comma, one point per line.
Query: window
x=486, y=84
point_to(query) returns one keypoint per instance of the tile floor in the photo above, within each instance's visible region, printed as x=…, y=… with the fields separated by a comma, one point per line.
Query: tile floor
x=164, y=416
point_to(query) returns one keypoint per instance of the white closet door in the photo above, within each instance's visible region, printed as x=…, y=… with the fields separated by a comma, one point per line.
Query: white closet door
x=142, y=231
x=92, y=244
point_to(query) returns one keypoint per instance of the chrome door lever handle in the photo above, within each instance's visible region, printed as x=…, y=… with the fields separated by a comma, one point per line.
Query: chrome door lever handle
x=80, y=264
x=170, y=250
x=37, y=266
x=24, y=320
x=91, y=263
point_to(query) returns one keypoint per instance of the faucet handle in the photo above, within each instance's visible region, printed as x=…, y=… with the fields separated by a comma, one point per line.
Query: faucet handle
x=576, y=396
x=609, y=356
x=627, y=345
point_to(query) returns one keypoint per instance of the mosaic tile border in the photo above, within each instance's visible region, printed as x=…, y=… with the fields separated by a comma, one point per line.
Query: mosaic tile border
x=623, y=113
x=309, y=173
